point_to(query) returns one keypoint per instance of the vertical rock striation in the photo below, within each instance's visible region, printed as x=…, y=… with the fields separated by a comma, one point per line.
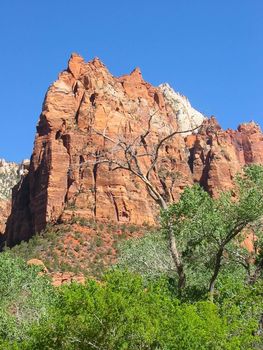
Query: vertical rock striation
x=64, y=180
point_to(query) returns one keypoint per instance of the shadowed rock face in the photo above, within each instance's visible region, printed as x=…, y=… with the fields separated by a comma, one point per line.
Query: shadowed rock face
x=10, y=174
x=63, y=178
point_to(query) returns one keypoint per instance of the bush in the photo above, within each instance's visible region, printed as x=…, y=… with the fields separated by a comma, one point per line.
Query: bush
x=25, y=297
x=122, y=312
x=149, y=256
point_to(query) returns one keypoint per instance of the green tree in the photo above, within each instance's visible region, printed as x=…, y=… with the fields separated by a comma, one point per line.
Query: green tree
x=148, y=255
x=25, y=297
x=206, y=227
x=123, y=313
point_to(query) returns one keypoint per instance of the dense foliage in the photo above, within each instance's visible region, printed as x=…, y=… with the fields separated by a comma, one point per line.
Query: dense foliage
x=25, y=297
x=124, y=312
x=137, y=304
x=148, y=255
x=208, y=229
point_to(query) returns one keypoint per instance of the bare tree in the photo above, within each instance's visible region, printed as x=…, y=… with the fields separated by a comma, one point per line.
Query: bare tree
x=140, y=157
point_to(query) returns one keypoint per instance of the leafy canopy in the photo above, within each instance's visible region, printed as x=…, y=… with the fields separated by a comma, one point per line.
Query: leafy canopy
x=206, y=227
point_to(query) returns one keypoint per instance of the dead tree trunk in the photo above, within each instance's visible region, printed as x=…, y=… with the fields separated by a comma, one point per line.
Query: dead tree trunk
x=126, y=155
x=174, y=250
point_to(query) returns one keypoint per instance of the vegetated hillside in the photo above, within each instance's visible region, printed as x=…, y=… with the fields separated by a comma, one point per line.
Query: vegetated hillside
x=139, y=304
x=79, y=165
x=80, y=246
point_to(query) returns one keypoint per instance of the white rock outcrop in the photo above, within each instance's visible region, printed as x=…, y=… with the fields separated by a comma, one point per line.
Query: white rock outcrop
x=187, y=117
x=10, y=174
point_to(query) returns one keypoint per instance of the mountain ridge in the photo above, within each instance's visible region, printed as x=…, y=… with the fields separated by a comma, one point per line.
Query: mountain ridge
x=85, y=104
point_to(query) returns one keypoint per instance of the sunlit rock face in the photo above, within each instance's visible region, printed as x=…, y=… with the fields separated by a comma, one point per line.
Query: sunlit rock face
x=9, y=176
x=186, y=116
x=63, y=179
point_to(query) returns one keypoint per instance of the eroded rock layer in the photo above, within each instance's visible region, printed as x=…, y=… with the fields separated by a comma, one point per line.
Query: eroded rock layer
x=87, y=102
x=10, y=174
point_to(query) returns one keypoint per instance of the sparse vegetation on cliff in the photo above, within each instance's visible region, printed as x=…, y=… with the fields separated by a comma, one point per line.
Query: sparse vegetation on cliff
x=79, y=246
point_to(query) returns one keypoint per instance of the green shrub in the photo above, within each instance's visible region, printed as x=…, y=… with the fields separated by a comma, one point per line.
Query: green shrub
x=25, y=297
x=123, y=312
x=149, y=256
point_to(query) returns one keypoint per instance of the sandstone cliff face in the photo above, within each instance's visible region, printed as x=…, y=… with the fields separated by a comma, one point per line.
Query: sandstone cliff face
x=5, y=209
x=10, y=174
x=64, y=179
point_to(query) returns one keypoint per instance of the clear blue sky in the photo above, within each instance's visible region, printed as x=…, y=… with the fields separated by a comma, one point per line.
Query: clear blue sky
x=209, y=50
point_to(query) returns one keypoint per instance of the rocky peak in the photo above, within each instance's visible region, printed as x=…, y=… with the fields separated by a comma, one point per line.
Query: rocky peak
x=249, y=128
x=75, y=65
x=86, y=102
x=187, y=117
x=136, y=74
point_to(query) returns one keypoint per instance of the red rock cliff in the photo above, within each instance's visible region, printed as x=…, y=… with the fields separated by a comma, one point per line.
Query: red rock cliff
x=63, y=179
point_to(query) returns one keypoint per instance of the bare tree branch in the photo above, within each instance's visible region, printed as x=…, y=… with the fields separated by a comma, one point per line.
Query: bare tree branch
x=130, y=159
x=147, y=132
x=156, y=155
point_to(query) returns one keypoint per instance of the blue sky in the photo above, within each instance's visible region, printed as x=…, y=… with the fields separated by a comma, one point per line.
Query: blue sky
x=209, y=50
